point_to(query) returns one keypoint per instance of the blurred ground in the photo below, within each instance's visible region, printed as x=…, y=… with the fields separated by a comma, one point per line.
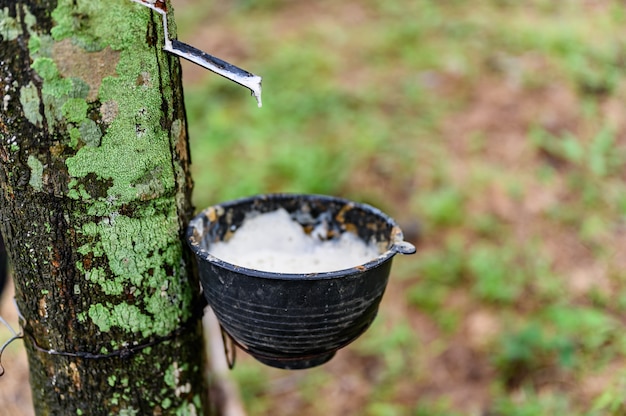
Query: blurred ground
x=15, y=396
x=495, y=132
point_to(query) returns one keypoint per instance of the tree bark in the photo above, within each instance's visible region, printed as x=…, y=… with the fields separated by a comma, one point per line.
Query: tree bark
x=95, y=194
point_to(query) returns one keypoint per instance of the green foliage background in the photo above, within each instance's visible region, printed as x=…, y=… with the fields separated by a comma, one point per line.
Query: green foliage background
x=498, y=126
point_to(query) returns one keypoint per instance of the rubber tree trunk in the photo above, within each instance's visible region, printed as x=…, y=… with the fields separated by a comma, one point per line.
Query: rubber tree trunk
x=95, y=192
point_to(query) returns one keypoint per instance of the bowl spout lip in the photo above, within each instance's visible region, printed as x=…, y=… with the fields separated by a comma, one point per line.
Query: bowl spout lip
x=398, y=244
x=403, y=247
x=194, y=237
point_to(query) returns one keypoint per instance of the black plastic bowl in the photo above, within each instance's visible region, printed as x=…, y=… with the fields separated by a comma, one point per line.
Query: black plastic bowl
x=295, y=321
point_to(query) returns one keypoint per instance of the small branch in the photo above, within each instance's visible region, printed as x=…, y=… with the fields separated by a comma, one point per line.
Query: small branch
x=230, y=403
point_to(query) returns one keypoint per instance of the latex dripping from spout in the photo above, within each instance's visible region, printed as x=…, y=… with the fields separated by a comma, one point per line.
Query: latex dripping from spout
x=205, y=60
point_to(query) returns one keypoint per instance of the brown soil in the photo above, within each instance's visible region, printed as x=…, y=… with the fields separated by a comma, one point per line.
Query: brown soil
x=15, y=395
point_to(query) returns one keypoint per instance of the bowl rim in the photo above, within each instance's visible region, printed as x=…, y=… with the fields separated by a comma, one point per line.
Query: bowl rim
x=398, y=245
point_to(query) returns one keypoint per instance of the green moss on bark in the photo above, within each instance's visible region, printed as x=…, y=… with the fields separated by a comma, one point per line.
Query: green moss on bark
x=133, y=153
x=142, y=250
x=106, y=165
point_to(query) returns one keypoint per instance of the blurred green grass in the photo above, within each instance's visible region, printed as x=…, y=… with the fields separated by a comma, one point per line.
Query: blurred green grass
x=499, y=125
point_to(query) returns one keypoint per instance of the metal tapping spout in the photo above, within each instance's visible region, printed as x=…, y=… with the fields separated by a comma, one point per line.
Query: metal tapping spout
x=210, y=62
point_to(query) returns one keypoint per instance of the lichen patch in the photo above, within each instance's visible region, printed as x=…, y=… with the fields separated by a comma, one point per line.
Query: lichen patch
x=11, y=28
x=29, y=98
x=36, y=173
